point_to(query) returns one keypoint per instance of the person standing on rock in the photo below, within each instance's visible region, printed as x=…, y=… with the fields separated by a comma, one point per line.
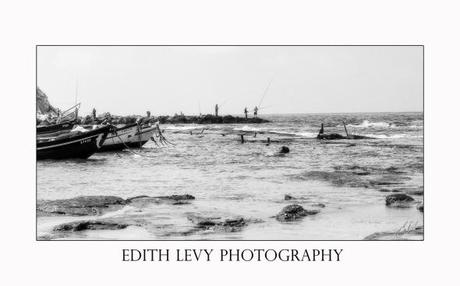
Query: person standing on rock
x=246, y=112
x=256, y=109
x=94, y=113
x=217, y=110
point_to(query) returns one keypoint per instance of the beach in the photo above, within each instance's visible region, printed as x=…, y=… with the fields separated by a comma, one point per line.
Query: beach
x=239, y=188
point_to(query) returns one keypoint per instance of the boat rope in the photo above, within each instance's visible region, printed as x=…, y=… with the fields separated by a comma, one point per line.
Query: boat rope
x=162, y=140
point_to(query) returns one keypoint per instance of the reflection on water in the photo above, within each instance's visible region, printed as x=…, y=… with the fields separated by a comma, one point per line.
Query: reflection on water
x=230, y=179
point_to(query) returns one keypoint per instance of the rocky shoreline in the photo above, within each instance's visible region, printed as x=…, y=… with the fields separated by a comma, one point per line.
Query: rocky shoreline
x=92, y=213
x=94, y=208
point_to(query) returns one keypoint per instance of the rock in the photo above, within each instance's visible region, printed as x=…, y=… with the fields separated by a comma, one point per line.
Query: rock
x=288, y=197
x=331, y=136
x=216, y=224
x=90, y=225
x=43, y=105
x=284, y=150
x=398, y=200
x=320, y=205
x=385, y=190
x=177, y=197
x=208, y=119
x=361, y=173
x=294, y=212
x=141, y=201
x=335, y=136
x=130, y=200
x=80, y=206
x=414, y=192
x=420, y=207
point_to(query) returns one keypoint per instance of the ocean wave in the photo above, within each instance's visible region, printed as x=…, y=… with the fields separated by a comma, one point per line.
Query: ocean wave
x=248, y=128
x=385, y=136
x=183, y=128
x=384, y=124
x=368, y=124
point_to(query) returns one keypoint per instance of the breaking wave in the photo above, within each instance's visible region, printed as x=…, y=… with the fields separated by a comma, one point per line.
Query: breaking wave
x=383, y=124
x=183, y=128
x=368, y=124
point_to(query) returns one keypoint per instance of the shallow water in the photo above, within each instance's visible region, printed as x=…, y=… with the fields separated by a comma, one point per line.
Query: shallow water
x=230, y=179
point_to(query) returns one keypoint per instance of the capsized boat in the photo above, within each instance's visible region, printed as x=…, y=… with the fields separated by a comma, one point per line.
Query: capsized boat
x=129, y=136
x=79, y=144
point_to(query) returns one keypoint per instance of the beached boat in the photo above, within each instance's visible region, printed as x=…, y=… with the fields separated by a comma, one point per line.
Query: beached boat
x=71, y=144
x=128, y=136
x=45, y=129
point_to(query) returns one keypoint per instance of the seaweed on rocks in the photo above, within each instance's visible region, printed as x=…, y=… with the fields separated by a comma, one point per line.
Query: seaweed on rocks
x=357, y=176
x=90, y=225
x=172, y=199
x=216, y=224
x=399, y=200
x=294, y=212
x=80, y=206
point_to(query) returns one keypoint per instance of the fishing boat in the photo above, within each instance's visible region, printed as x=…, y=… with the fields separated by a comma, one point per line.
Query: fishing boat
x=66, y=120
x=71, y=144
x=128, y=136
x=45, y=129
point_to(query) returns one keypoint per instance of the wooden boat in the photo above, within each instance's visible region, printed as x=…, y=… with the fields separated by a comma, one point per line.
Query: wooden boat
x=128, y=136
x=65, y=121
x=68, y=145
x=68, y=125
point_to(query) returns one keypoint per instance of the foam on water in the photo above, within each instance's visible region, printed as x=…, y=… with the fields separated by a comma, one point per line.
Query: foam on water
x=230, y=179
x=368, y=124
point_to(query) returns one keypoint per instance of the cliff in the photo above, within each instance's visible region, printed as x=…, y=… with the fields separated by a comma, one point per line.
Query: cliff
x=43, y=105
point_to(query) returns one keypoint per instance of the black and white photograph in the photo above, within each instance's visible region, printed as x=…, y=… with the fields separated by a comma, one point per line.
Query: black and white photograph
x=230, y=142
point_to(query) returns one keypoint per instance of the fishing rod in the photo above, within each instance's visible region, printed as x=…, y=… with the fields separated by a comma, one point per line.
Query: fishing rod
x=265, y=92
x=265, y=107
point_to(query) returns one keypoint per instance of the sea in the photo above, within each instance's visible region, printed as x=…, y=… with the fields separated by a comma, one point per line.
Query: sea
x=345, y=180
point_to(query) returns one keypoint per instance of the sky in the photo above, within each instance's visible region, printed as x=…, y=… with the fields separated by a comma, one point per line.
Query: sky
x=126, y=80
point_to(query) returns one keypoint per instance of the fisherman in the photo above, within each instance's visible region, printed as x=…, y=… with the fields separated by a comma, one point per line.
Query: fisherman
x=148, y=114
x=321, y=131
x=217, y=110
x=246, y=112
x=94, y=113
x=108, y=118
x=58, y=120
x=256, y=109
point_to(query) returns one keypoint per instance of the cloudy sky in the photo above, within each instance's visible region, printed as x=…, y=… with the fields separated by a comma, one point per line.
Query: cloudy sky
x=168, y=80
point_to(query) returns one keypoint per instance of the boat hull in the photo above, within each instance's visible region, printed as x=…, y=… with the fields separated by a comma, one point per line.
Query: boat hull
x=130, y=136
x=56, y=127
x=80, y=146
